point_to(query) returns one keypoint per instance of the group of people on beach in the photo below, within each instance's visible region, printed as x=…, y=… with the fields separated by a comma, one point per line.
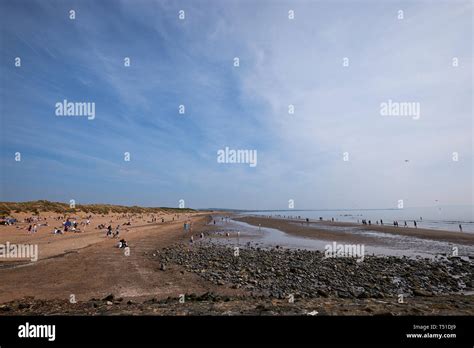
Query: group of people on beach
x=34, y=223
x=395, y=223
x=188, y=227
x=369, y=222
x=191, y=239
x=32, y=229
x=72, y=226
x=111, y=234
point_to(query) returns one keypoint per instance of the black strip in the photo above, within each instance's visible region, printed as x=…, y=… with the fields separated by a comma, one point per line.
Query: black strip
x=239, y=330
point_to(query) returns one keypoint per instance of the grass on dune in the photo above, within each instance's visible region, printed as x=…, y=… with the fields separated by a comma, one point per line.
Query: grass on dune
x=36, y=207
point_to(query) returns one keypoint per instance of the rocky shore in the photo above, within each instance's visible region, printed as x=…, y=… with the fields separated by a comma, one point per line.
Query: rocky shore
x=214, y=304
x=279, y=273
x=286, y=282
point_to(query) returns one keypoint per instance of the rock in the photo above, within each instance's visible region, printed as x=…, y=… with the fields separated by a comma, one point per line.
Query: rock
x=344, y=294
x=421, y=292
x=323, y=293
x=108, y=298
x=5, y=308
x=357, y=291
x=23, y=305
x=271, y=272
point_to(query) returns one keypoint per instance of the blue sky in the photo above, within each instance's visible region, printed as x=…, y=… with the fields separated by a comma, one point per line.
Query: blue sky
x=282, y=62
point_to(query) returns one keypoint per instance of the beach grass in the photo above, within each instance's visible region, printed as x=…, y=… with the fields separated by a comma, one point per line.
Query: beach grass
x=36, y=207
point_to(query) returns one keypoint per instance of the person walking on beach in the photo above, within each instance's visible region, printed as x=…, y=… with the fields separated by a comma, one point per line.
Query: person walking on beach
x=117, y=232
x=406, y=224
x=381, y=222
x=414, y=223
x=460, y=228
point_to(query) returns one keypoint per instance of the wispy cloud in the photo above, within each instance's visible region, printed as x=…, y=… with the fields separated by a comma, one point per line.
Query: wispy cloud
x=283, y=62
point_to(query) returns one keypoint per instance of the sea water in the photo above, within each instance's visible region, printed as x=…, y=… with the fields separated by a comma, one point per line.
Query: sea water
x=439, y=217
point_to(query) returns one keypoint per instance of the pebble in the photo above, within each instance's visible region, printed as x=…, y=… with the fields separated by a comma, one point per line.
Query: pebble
x=305, y=273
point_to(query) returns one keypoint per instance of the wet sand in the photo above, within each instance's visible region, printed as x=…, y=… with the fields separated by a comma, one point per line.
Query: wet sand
x=303, y=229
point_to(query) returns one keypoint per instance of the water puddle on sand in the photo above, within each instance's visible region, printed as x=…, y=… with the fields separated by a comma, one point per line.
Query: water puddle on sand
x=238, y=233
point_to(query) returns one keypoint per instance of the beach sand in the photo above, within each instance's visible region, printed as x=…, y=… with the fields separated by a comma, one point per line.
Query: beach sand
x=89, y=264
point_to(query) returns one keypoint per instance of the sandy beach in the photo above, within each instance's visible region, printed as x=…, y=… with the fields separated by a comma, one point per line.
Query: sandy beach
x=88, y=264
x=85, y=272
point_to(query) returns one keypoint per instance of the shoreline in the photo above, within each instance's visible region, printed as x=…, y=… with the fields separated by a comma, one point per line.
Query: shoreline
x=301, y=228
